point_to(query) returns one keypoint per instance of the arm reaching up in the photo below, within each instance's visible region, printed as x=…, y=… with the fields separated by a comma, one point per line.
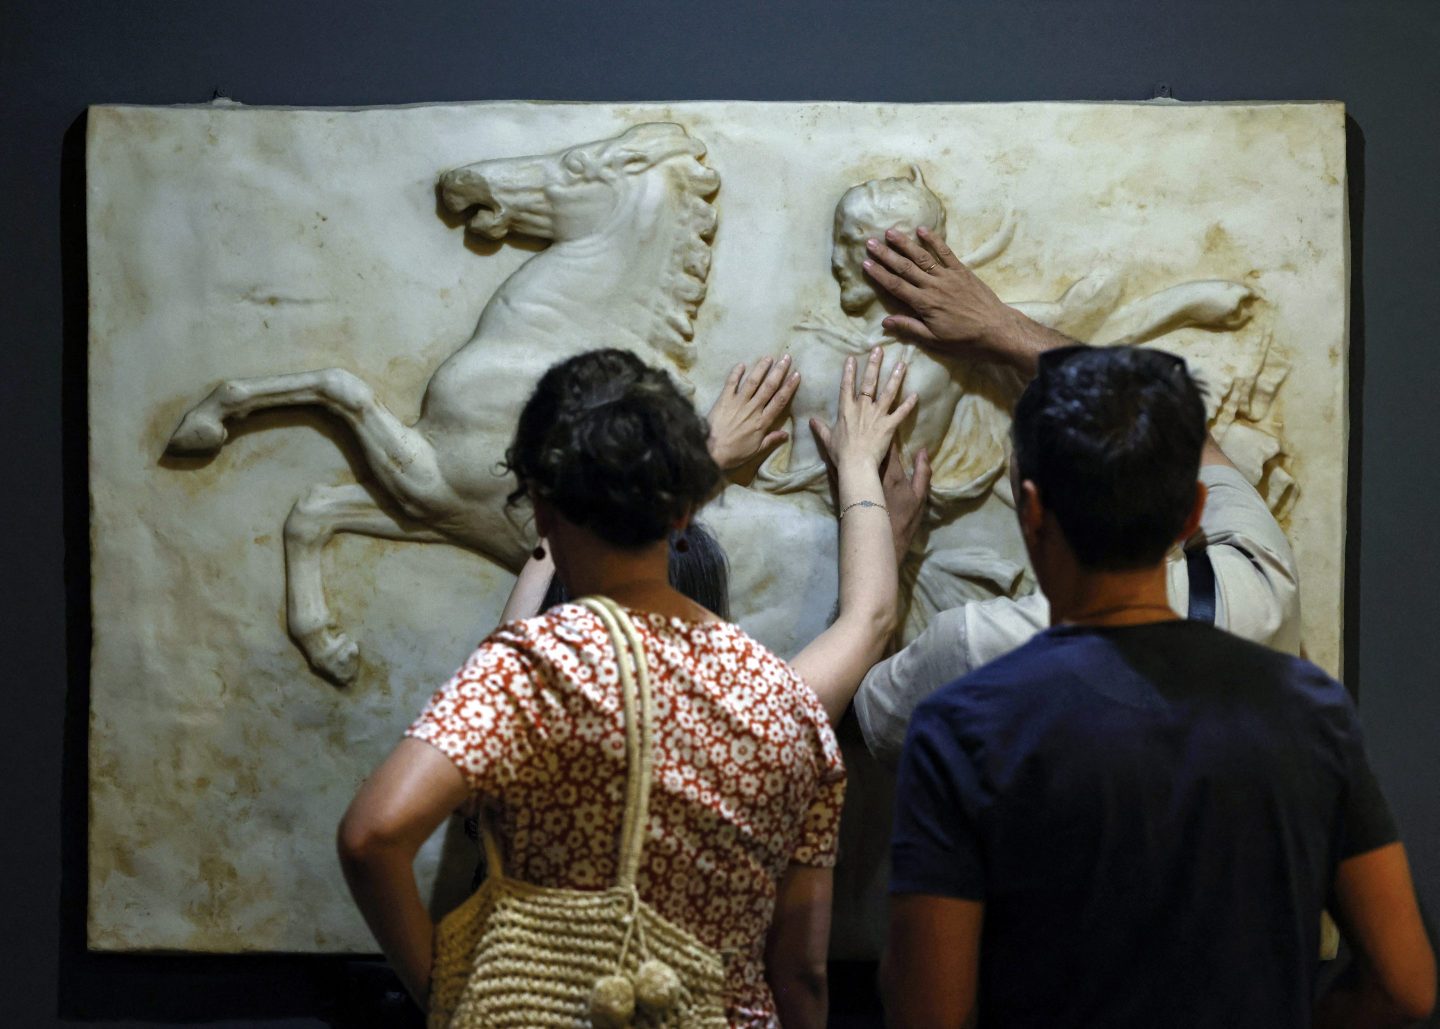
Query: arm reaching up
x=530, y=587
x=856, y=444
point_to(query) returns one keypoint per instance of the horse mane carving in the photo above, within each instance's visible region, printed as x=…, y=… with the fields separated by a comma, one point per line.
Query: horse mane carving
x=672, y=330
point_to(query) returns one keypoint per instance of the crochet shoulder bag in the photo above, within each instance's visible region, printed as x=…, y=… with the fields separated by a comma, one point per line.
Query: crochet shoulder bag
x=532, y=957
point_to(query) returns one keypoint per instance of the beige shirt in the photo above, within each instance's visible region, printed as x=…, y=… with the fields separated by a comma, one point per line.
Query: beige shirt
x=1256, y=596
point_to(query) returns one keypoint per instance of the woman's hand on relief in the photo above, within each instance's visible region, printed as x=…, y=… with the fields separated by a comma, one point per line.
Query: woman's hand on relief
x=867, y=417
x=906, y=496
x=742, y=418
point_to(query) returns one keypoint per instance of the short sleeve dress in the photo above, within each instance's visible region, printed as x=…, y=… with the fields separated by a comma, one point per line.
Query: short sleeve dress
x=748, y=777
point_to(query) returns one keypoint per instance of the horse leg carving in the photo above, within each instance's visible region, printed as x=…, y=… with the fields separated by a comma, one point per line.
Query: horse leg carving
x=313, y=521
x=400, y=457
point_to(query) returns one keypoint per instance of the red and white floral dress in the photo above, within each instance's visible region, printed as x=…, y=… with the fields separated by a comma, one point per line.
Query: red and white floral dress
x=747, y=776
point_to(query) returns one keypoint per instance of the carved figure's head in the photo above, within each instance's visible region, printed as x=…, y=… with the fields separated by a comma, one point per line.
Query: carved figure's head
x=573, y=192
x=865, y=212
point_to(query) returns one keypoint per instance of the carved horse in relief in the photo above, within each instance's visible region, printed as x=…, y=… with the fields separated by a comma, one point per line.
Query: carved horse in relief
x=631, y=223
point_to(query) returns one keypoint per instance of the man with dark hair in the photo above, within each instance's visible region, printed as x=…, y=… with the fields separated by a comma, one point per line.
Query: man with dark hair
x=1238, y=571
x=1135, y=819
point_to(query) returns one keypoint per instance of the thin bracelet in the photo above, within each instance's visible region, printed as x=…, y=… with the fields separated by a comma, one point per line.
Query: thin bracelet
x=863, y=503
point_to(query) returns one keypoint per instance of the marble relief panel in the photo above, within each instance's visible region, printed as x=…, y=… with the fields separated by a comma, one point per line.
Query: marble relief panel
x=311, y=331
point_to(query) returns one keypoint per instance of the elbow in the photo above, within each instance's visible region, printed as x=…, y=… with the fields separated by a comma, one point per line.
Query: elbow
x=813, y=979
x=1416, y=1002
x=1405, y=995
x=362, y=842
x=801, y=985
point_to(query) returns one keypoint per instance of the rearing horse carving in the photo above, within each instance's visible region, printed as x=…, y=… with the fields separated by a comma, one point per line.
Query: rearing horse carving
x=630, y=220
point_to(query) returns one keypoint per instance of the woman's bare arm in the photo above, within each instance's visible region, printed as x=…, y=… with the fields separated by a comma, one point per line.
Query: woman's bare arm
x=797, y=947
x=394, y=813
x=835, y=662
x=530, y=588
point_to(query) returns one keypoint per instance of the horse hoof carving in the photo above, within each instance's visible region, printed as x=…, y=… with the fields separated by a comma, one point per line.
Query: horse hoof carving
x=334, y=655
x=200, y=432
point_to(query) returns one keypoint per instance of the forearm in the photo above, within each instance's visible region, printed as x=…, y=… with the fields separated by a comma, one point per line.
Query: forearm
x=869, y=585
x=530, y=588
x=837, y=660
x=801, y=999
x=797, y=944
x=1018, y=341
x=382, y=881
x=1358, y=1002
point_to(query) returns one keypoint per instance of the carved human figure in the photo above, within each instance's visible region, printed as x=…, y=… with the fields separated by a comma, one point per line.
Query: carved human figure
x=630, y=224
x=962, y=420
x=865, y=211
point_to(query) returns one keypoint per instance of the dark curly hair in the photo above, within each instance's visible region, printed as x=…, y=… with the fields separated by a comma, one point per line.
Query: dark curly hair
x=614, y=445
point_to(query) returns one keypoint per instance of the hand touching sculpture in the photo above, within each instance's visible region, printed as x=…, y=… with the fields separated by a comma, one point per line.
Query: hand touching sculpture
x=742, y=416
x=953, y=311
x=864, y=423
x=907, y=494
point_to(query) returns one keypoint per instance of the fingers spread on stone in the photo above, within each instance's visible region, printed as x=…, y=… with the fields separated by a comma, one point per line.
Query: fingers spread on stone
x=920, y=481
x=891, y=283
x=775, y=379
x=892, y=387
x=896, y=262
x=917, y=254
x=782, y=397
x=757, y=376
x=822, y=435
x=872, y=374
x=909, y=326
x=945, y=255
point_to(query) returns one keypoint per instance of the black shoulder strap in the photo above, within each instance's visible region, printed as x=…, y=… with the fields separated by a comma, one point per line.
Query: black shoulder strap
x=1202, y=585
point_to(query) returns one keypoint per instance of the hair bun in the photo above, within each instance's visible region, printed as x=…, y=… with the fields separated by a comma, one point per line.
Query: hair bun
x=614, y=445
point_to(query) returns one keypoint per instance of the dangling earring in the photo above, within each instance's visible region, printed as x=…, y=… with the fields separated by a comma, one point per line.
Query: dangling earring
x=539, y=552
x=682, y=544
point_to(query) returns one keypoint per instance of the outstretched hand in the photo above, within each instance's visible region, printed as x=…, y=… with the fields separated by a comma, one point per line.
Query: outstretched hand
x=906, y=494
x=742, y=416
x=864, y=422
x=952, y=309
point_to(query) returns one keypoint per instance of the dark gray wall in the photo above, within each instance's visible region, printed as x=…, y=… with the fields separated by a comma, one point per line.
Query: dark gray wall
x=57, y=56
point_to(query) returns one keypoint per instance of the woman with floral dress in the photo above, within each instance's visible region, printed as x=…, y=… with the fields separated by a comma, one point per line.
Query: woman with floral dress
x=747, y=780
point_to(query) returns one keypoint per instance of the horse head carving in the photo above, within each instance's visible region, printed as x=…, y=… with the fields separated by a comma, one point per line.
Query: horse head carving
x=646, y=185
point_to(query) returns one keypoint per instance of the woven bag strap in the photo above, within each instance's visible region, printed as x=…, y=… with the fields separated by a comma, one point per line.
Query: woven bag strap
x=639, y=737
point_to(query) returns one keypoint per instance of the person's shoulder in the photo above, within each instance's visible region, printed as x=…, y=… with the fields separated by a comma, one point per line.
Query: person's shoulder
x=1012, y=682
x=560, y=625
x=1224, y=646
x=1265, y=674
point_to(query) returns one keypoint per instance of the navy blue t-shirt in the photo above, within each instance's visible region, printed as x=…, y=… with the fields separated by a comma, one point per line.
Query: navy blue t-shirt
x=1152, y=816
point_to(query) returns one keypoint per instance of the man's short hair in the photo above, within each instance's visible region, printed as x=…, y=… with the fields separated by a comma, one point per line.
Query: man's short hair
x=1111, y=438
